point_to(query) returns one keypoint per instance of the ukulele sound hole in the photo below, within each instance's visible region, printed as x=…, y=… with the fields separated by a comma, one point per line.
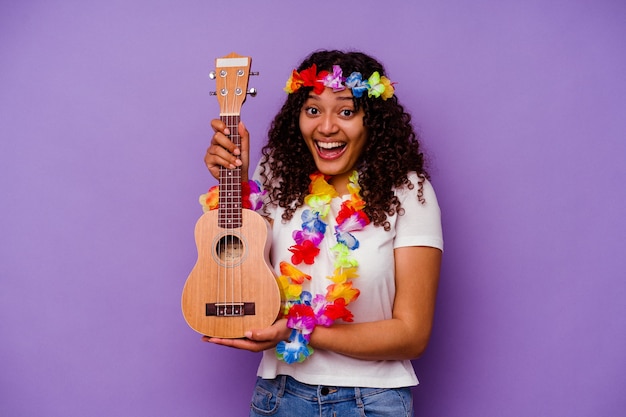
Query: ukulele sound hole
x=229, y=250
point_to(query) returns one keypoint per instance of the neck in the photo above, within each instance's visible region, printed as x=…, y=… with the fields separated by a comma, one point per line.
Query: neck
x=340, y=182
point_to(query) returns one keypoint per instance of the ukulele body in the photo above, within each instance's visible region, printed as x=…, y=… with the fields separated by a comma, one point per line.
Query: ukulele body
x=231, y=288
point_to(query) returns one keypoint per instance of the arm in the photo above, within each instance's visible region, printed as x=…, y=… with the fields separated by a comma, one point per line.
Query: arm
x=404, y=336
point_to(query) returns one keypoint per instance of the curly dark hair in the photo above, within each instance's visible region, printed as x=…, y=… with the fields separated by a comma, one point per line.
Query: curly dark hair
x=391, y=152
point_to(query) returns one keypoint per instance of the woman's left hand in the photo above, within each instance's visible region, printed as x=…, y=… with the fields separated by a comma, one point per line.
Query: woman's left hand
x=256, y=340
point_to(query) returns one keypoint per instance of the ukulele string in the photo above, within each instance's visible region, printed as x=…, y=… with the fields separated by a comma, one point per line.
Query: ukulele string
x=232, y=220
x=237, y=272
x=234, y=217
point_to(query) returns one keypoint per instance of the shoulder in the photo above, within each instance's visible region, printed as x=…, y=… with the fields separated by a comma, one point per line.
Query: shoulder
x=419, y=222
x=421, y=187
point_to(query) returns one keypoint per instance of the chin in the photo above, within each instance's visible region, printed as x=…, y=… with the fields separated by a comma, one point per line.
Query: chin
x=326, y=170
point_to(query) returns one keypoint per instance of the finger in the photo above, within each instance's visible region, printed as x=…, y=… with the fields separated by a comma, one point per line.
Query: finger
x=217, y=155
x=223, y=140
x=245, y=138
x=245, y=150
x=275, y=333
x=243, y=344
x=219, y=126
x=261, y=335
x=221, y=136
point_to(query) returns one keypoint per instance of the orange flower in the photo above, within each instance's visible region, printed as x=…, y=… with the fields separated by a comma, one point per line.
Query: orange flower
x=344, y=291
x=294, y=82
x=294, y=273
x=210, y=200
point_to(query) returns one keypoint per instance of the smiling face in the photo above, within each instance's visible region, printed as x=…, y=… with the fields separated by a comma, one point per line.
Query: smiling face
x=334, y=133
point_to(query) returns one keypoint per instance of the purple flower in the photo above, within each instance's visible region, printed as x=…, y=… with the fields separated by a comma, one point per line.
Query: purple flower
x=335, y=80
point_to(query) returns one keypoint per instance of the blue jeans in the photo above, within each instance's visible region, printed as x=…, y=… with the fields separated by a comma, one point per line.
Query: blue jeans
x=286, y=397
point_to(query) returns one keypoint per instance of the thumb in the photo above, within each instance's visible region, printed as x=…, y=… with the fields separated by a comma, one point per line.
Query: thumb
x=256, y=335
x=245, y=150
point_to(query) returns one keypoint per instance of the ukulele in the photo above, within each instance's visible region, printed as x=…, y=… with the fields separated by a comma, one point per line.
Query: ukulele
x=231, y=288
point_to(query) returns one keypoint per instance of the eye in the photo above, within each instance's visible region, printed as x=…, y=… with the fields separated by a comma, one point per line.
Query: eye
x=313, y=111
x=346, y=112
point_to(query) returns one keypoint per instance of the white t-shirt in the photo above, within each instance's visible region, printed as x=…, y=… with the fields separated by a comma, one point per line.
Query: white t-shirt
x=420, y=225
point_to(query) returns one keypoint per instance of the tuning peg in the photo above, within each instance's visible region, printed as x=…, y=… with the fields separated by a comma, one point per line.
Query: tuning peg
x=252, y=91
x=212, y=75
x=212, y=93
x=254, y=73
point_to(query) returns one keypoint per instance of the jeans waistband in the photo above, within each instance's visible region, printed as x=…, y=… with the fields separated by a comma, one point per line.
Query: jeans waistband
x=324, y=393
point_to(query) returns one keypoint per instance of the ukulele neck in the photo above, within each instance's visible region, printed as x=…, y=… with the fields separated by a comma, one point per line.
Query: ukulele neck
x=229, y=211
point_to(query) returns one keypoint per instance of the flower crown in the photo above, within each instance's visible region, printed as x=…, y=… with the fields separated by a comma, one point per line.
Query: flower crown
x=376, y=85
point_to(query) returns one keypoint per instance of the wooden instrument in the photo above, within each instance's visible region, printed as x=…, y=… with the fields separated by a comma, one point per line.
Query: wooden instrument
x=231, y=288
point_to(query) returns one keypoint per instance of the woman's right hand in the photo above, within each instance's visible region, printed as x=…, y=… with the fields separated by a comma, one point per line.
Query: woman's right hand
x=257, y=340
x=223, y=153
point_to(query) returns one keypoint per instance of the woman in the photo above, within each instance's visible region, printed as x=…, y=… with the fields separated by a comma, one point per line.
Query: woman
x=356, y=243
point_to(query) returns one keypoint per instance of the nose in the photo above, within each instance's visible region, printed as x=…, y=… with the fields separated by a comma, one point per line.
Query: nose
x=327, y=124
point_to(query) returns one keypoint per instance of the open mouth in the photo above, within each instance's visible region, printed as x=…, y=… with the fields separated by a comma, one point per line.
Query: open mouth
x=330, y=150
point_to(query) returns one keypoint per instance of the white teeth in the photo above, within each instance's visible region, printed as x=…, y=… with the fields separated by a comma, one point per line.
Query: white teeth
x=329, y=145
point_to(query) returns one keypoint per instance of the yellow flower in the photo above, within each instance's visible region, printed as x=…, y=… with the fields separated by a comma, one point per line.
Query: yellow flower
x=342, y=275
x=320, y=187
x=288, y=290
x=389, y=90
x=356, y=202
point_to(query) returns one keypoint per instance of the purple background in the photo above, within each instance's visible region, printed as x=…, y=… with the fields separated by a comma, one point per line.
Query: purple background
x=104, y=120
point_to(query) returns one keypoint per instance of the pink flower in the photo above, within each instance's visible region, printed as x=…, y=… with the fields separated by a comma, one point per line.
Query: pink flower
x=335, y=80
x=301, y=317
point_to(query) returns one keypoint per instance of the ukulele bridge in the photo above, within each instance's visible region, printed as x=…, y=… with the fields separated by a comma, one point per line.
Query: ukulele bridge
x=230, y=309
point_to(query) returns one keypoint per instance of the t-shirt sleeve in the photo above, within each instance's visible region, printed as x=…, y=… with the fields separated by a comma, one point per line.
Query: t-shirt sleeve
x=420, y=224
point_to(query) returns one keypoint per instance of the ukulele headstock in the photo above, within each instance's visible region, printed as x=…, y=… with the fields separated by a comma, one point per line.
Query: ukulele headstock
x=231, y=78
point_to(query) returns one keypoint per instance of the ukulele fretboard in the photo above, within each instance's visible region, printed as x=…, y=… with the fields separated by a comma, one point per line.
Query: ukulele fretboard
x=229, y=212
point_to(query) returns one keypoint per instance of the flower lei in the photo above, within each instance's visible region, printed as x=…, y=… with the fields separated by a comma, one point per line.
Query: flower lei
x=303, y=310
x=375, y=86
x=251, y=196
